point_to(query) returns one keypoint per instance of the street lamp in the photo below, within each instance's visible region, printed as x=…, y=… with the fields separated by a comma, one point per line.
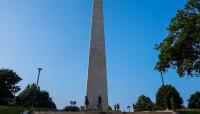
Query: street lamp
x=129, y=108
x=34, y=97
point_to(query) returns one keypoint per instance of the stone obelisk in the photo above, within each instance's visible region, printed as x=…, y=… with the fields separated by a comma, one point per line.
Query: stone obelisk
x=97, y=79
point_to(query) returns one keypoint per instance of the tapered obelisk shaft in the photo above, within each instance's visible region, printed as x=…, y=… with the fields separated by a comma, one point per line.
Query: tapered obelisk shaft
x=97, y=79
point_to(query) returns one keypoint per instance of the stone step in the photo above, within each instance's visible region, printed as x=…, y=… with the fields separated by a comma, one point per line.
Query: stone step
x=170, y=112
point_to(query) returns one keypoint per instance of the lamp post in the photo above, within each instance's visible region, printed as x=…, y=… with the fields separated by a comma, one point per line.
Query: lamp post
x=34, y=97
x=129, y=108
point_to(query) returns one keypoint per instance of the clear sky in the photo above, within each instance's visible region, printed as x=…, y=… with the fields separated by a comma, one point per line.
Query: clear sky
x=54, y=35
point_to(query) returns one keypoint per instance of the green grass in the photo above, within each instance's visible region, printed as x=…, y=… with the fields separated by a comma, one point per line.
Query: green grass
x=19, y=110
x=11, y=110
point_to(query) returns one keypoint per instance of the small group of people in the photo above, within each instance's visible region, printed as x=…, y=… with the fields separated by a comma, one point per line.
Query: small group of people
x=116, y=106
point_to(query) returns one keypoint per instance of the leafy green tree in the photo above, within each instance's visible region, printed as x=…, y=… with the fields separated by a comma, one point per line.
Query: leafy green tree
x=194, y=101
x=168, y=95
x=8, y=85
x=43, y=100
x=71, y=109
x=143, y=104
x=180, y=50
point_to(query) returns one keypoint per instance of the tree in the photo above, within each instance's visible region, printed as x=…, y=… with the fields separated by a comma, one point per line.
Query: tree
x=165, y=95
x=143, y=104
x=181, y=48
x=194, y=101
x=43, y=100
x=8, y=85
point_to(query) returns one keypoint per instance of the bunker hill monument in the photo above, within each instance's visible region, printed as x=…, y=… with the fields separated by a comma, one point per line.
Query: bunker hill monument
x=97, y=93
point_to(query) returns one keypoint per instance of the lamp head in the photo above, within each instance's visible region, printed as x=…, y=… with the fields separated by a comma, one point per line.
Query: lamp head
x=39, y=69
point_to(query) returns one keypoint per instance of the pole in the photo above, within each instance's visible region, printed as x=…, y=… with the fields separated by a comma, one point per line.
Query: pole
x=34, y=97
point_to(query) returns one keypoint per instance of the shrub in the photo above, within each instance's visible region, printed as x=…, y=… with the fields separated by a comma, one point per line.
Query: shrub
x=71, y=109
x=194, y=101
x=167, y=95
x=143, y=104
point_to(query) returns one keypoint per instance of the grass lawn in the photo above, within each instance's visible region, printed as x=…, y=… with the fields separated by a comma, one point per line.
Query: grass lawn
x=11, y=110
x=19, y=110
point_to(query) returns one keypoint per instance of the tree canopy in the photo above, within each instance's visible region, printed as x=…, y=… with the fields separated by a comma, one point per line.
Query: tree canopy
x=168, y=95
x=194, y=101
x=8, y=85
x=181, y=48
x=43, y=100
x=143, y=104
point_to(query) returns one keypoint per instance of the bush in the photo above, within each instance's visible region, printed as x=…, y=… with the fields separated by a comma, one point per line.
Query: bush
x=143, y=104
x=167, y=95
x=71, y=109
x=43, y=100
x=109, y=108
x=194, y=101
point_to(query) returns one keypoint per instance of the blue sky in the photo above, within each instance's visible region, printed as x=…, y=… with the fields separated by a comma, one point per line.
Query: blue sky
x=54, y=35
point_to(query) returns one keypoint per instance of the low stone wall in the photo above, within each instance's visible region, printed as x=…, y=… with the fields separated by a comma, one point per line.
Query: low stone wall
x=170, y=112
x=149, y=112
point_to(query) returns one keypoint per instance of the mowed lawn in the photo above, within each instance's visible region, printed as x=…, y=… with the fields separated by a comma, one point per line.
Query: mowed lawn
x=19, y=110
x=11, y=110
